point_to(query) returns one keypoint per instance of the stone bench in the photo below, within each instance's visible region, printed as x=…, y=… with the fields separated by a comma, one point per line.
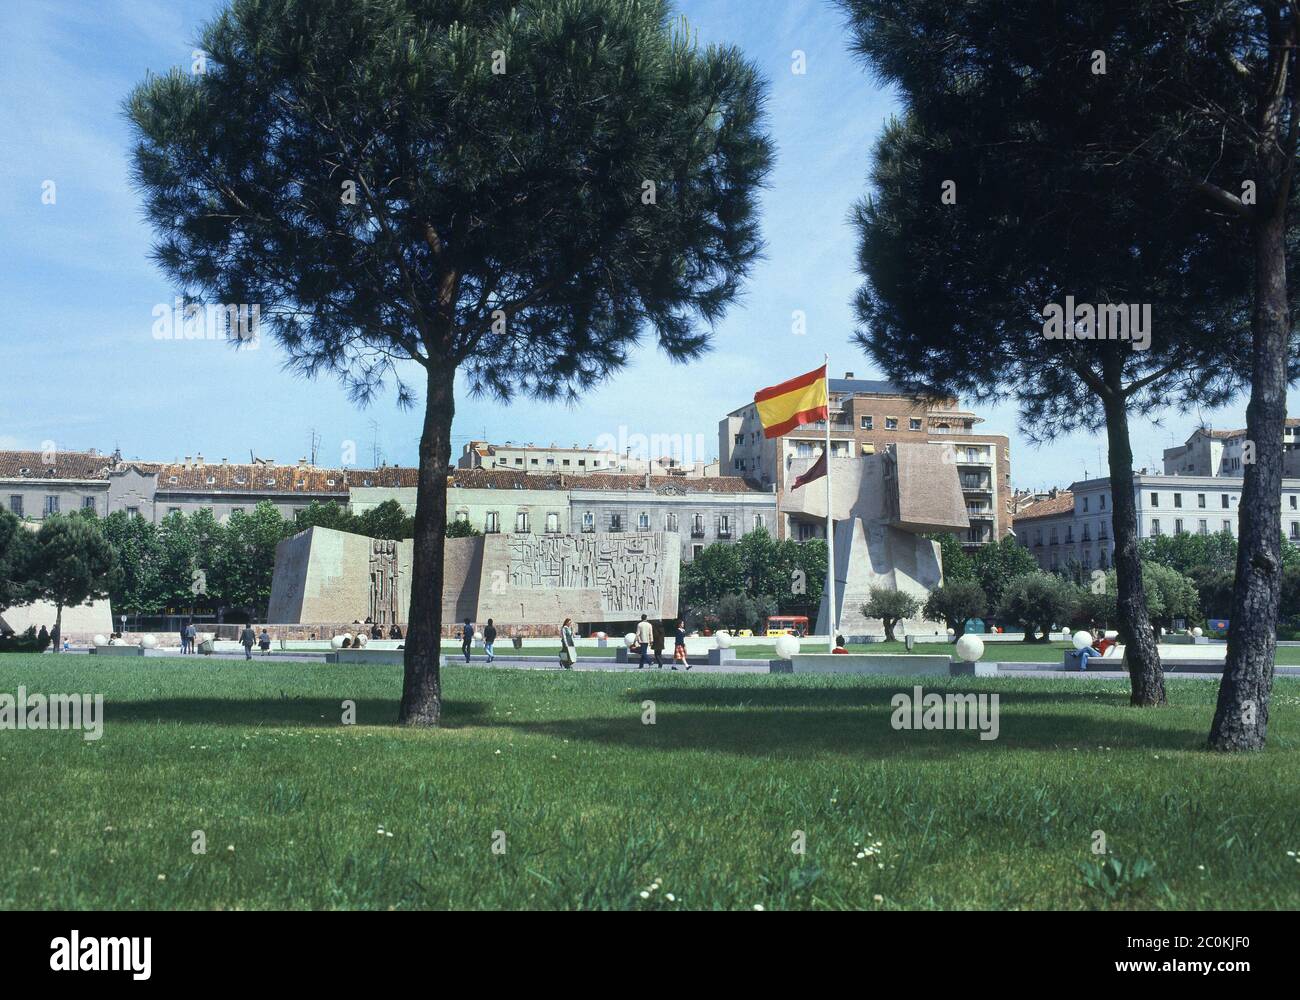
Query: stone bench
x=885, y=664
x=117, y=650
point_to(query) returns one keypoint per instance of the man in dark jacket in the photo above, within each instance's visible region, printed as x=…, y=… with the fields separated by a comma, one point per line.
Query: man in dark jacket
x=489, y=637
x=467, y=638
x=247, y=639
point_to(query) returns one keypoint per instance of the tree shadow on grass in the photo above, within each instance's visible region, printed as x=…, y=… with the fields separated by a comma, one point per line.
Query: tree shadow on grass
x=804, y=732
x=862, y=696
x=287, y=710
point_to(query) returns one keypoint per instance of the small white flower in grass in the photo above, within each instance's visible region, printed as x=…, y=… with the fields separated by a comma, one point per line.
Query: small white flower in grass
x=644, y=894
x=388, y=833
x=1290, y=854
x=877, y=898
x=1200, y=868
x=759, y=906
x=230, y=848
x=670, y=897
x=54, y=850
x=162, y=878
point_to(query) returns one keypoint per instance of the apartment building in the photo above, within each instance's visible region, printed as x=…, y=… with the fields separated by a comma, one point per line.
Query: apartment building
x=866, y=417
x=1223, y=453
x=577, y=460
x=1074, y=527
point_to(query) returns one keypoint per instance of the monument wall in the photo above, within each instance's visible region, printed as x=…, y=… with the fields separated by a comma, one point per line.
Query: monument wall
x=324, y=575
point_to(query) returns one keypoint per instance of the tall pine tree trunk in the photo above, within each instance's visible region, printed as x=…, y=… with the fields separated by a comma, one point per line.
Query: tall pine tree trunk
x=1241, y=717
x=1146, y=676
x=422, y=679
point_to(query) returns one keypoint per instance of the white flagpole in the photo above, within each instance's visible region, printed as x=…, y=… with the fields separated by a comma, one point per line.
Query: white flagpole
x=830, y=521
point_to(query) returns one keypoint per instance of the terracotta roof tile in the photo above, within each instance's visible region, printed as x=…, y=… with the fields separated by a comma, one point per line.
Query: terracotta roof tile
x=261, y=478
x=1062, y=503
x=66, y=465
x=508, y=479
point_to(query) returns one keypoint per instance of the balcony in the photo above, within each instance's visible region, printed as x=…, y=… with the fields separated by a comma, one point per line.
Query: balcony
x=982, y=460
x=697, y=531
x=975, y=486
x=983, y=513
x=724, y=532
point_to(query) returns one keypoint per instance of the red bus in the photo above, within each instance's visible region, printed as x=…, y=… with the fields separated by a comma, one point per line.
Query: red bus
x=796, y=625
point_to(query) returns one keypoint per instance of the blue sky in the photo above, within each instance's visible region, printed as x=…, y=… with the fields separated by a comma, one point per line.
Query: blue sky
x=81, y=368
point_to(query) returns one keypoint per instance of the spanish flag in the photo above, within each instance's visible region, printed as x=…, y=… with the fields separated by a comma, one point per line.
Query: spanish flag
x=782, y=408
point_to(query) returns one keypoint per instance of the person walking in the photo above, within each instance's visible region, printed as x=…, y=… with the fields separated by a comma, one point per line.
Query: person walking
x=191, y=633
x=568, y=654
x=247, y=638
x=659, y=643
x=645, y=637
x=679, y=647
x=467, y=638
x=489, y=637
x=264, y=641
x=185, y=643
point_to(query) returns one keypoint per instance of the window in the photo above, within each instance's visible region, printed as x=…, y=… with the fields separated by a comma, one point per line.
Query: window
x=1069, y=532
x=588, y=521
x=582, y=462
x=1178, y=499
x=1155, y=499
x=491, y=523
x=724, y=526
x=1295, y=530
x=1178, y=526
x=697, y=526
x=866, y=423
x=521, y=522
x=550, y=461
x=643, y=521
x=696, y=550
x=240, y=510
x=519, y=461
x=1085, y=505
x=1200, y=500
x=135, y=512
x=173, y=510
x=552, y=523
x=51, y=505
x=1292, y=499
x=1224, y=497
x=758, y=521
x=87, y=503
x=1202, y=527
x=740, y=439
x=1052, y=535
x=1155, y=526
x=16, y=505
x=913, y=424
x=565, y=461
x=1101, y=502
x=462, y=516
x=1227, y=526
x=532, y=461
x=615, y=522
x=891, y=423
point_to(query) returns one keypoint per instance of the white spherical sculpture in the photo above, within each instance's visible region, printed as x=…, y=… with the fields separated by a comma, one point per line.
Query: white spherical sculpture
x=951, y=633
x=337, y=641
x=362, y=639
x=101, y=640
x=723, y=639
x=478, y=636
x=601, y=635
x=629, y=639
x=148, y=641
x=1082, y=639
x=970, y=648
x=1198, y=631
x=786, y=646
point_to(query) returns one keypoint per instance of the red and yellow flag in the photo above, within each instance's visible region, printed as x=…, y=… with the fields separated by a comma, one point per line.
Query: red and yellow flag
x=782, y=408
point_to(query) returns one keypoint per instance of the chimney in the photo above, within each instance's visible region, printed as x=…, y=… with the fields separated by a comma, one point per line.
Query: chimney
x=198, y=460
x=647, y=479
x=186, y=463
x=302, y=463
x=225, y=461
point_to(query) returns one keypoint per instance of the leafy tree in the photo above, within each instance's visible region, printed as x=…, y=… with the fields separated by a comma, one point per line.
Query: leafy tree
x=1095, y=609
x=1170, y=594
x=711, y=575
x=139, y=555
x=72, y=564
x=739, y=611
x=462, y=529
x=177, y=582
x=16, y=544
x=1186, y=552
x=327, y=514
x=993, y=565
x=957, y=565
x=516, y=192
x=1037, y=601
x=891, y=607
x=386, y=520
x=1057, y=193
x=955, y=603
x=244, y=564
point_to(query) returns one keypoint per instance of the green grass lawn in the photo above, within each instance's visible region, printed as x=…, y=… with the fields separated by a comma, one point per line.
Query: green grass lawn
x=595, y=806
